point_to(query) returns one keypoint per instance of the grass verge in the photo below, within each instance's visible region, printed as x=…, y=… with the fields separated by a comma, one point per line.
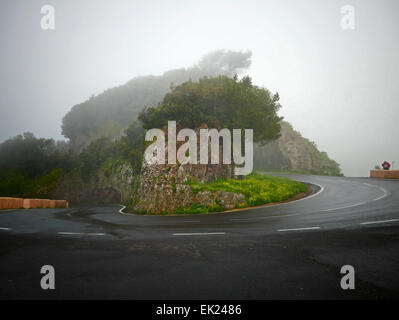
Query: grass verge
x=257, y=188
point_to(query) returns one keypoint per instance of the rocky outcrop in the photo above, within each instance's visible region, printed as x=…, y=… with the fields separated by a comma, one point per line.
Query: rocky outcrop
x=227, y=200
x=163, y=187
x=120, y=177
x=293, y=152
x=114, y=182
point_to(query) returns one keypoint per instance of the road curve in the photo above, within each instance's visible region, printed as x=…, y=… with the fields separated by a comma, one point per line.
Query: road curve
x=290, y=250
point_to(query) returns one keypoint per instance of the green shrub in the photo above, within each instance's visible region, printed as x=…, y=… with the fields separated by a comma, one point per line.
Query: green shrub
x=257, y=188
x=19, y=185
x=197, y=208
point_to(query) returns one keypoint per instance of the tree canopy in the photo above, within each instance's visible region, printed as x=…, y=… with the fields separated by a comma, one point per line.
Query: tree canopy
x=33, y=156
x=219, y=102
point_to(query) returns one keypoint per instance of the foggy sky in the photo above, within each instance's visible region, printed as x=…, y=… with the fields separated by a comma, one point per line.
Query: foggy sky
x=338, y=87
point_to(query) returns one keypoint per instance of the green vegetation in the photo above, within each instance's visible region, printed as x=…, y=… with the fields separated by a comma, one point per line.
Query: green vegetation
x=219, y=102
x=104, y=152
x=300, y=172
x=19, y=185
x=288, y=171
x=295, y=154
x=33, y=167
x=257, y=188
x=104, y=132
x=32, y=157
x=111, y=112
x=198, y=208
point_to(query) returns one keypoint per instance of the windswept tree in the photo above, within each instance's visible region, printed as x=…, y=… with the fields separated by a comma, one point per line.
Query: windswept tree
x=224, y=62
x=219, y=102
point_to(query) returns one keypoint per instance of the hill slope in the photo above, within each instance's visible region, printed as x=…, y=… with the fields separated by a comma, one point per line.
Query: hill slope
x=111, y=112
x=292, y=152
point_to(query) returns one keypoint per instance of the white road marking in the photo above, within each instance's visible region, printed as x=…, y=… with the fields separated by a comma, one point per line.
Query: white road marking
x=198, y=233
x=121, y=211
x=381, y=221
x=279, y=204
x=294, y=201
x=386, y=193
x=299, y=229
x=82, y=233
x=313, y=195
x=350, y=206
x=383, y=196
x=254, y=208
x=268, y=217
x=6, y=229
x=125, y=213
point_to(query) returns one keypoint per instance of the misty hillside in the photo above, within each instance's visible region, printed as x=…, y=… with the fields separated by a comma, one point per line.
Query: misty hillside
x=110, y=113
x=292, y=152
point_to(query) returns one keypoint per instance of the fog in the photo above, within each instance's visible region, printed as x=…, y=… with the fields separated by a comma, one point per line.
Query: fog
x=338, y=87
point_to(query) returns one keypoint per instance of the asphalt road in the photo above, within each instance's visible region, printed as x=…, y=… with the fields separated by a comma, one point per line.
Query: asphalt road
x=293, y=250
